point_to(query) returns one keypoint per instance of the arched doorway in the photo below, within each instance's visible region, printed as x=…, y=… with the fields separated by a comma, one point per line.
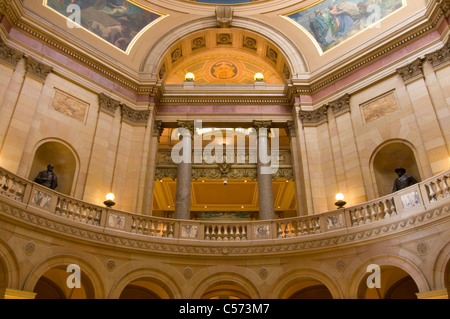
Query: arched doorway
x=395, y=283
x=225, y=290
x=53, y=285
x=387, y=158
x=145, y=288
x=64, y=160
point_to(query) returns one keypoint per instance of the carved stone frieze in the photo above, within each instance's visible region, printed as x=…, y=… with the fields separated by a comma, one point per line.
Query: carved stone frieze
x=134, y=117
x=412, y=71
x=37, y=70
x=107, y=104
x=166, y=173
x=9, y=55
x=440, y=57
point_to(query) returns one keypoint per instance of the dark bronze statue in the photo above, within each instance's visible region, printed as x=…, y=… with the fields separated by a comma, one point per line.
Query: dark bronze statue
x=47, y=178
x=403, y=180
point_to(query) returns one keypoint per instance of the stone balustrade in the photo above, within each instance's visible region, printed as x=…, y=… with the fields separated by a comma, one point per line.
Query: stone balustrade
x=403, y=203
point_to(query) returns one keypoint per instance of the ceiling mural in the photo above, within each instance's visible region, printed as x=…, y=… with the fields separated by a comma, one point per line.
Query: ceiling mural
x=120, y=23
x=330, y=22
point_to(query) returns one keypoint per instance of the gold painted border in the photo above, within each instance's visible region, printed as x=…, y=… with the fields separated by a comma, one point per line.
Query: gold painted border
x=135, y=39
x=313, y=39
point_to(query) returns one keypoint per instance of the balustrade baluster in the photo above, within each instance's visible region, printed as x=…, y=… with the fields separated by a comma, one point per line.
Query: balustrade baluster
x=146, y=227
x=83, y=214
x=387, y=208
x=76, y=213
x=140, y=226
x=432, y=194
x=244, y=233
x=317, y=226
x=152, y=228
x=164, y=230
x=213, y=233
x=393, y=209
x=280, y=231
x=171, y=231
x=238, y=233
x=373, y=212
x=232, y=234
x=133, y=226
x=367, y=215
x=225, y=233
x=97, y=217
x=354, y=218
x=207, y=233
x=446, y=188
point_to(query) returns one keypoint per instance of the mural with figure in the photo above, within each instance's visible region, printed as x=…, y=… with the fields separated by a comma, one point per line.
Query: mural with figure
x=330, y=22
x=116, y=21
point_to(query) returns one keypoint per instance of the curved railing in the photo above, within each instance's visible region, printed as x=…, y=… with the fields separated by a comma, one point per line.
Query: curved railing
x=413, y=199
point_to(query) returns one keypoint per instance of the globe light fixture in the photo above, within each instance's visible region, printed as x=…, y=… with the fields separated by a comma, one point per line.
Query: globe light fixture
x=340, y=201
x=259, y=77
x=109, y=202
x=190, y=77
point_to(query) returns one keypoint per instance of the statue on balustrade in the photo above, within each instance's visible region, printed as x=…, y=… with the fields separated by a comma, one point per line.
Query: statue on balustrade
x=403, y=180
x=47, y=178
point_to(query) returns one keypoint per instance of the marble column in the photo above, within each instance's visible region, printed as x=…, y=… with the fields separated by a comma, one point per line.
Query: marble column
x=184, y=174
x=264, y=171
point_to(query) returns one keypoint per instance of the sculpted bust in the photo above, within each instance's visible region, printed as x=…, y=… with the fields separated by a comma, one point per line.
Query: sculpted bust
x=403, y=180
x=47, y=178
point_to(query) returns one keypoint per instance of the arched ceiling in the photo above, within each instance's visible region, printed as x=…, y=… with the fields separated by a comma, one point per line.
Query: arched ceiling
x=224, y=56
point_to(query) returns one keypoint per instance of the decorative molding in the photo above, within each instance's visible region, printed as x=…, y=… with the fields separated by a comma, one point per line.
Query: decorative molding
x=445, y=7
x=412, y=71
x=162, y=173
x=37, y=70
x=29, y=248
x=134, y=117
x=261, y=124
x=224, y=39
x=440, y=57
x=9, y=55
x=224, y=15
x=107, y=104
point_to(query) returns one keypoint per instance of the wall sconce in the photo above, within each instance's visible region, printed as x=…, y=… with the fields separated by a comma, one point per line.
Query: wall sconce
x=190, y=77
x=109, y=202
x=340, y=201
x=259, y=77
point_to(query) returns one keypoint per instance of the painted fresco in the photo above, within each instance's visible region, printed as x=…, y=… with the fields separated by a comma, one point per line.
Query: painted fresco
x=116, y=21
x=331, y=22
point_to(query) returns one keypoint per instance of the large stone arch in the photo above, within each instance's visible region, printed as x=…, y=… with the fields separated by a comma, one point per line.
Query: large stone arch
x=9, y=266
x=241, y=277
x=441, y=271
x=360, y=272
x=161, y=274
x=294, y=57
x=296, y=275
x=89, y=266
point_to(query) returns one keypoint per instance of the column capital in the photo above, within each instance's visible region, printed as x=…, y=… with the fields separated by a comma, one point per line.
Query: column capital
x=188, y=125
x=107, y=104
x=439, y=57
x=134, y=117
x=412, y=71
x=341, y=105
x=9, y=55
x=158, y=128
x=37, y=70
x=290, y=129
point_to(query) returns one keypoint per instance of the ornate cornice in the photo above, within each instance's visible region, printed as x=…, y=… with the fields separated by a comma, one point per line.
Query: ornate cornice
x=107, y=104
x=445, y=7
x=290, y=129
x=37, y=70
x=134, y=117
x=9, y=55
x=412, y=71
